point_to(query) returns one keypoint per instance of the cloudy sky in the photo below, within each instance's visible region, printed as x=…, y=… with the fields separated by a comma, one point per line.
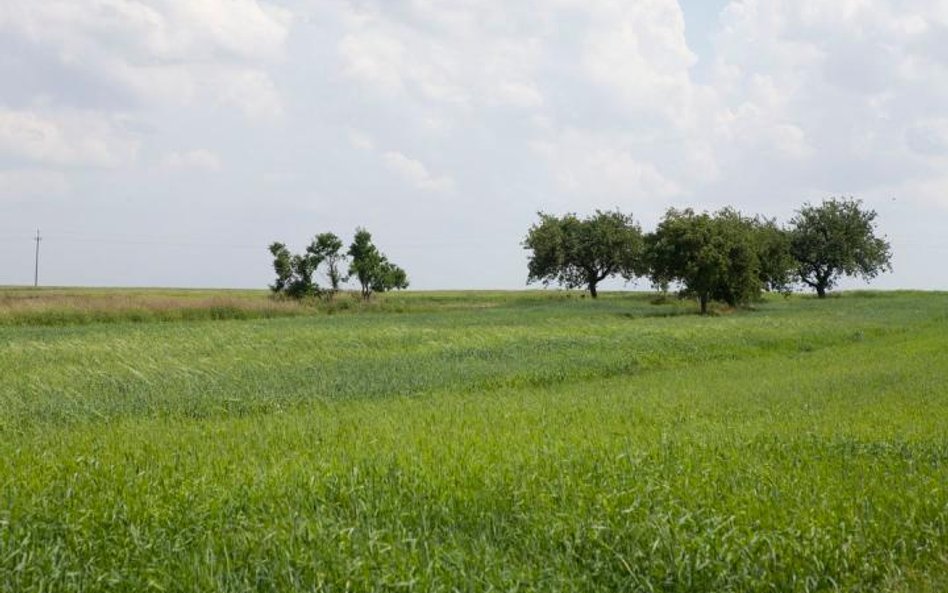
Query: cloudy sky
x=167, y=142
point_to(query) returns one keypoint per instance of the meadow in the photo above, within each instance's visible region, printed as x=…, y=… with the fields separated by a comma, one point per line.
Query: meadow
x=521, y=441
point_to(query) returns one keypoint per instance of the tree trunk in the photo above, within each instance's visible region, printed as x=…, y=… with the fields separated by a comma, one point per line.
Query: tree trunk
x=592, y=289
x=820, y=291
x=703, y=299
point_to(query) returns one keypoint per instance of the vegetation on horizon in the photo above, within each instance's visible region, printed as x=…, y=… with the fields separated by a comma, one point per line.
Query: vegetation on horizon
x=583, y=252
x=724, y=256
x=295, y=274
x=833, y=240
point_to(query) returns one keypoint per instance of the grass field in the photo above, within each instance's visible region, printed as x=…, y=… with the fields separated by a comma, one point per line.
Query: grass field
x=472, y=442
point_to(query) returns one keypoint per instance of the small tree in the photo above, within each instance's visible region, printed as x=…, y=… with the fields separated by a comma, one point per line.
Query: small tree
x=327, y=248
x=373, y=270
x=578, y=252
x=294, y=272
x=836, y=239
x=302, y=285
x=282, y=265
x=711, y=256
x=389, y=277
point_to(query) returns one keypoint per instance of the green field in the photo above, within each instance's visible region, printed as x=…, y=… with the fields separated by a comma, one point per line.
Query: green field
x=530, y=441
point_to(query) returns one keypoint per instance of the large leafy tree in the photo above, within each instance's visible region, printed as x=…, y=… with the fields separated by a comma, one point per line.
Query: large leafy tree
x=712, y=256
x=578, y=252
x=836, y=239
x=373, y=270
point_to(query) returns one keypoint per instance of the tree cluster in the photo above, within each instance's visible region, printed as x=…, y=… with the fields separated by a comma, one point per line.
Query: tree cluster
x=296, y=274
x=721, y=256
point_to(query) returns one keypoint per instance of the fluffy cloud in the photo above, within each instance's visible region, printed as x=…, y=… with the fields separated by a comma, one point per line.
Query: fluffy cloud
x=410, y=170
x=169, y=51
x=637, y=52
x=454, y=54
x=598, y=168
x=65, y=138
x=416, y=173
x=836, y=86
x=581, y=79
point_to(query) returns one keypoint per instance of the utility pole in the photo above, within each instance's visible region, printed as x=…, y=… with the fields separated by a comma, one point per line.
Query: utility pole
x=36, y=269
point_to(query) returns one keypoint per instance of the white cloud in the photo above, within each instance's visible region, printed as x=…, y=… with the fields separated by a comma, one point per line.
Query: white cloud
x=596, y=170
x=444, y=53
x=638, y=51
x=170, y=51
x=65, y=139
x=812, y=98
x=199, y=159
x=416, y=173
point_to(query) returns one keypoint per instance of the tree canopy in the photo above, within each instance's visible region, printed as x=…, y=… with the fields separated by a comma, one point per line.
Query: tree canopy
x=776, y=264
x=834, y=240
x=295, y=274
x=327, y=248
x=373, y=270
x=713, y=256
x=578, y=252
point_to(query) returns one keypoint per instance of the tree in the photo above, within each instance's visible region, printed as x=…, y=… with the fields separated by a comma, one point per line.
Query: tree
x=302, y=284
x=373, y=270
x=282, y=265
x=294, y=272
x=777, y=265
x=836, y=239
x=389, y=277
x=712, y=256
x=578, y=252
x=327, y=247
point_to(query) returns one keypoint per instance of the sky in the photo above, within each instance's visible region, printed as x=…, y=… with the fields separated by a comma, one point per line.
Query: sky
x=168, y=142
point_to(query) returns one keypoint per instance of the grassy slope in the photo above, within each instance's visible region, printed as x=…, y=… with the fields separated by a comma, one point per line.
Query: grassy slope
x=490, y=441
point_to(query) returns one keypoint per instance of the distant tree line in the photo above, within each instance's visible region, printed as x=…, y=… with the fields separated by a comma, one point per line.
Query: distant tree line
x=721, y=256
x=297, y=274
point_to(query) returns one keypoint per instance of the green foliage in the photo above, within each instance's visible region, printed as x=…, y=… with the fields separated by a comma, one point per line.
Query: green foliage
x=714, y=257
x=388, y=277
x=294, y=272
x=327, y=248
x=776, y=264
x=483, y=442
x=373, y=270
x=836, y=239
x=578, y=252
x=282, y=265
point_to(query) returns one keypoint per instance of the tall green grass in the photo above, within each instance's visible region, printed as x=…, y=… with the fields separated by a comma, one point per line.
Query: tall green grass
x=488, y=442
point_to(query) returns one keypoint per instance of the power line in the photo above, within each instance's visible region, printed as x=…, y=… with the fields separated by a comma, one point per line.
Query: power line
x=112, y=238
